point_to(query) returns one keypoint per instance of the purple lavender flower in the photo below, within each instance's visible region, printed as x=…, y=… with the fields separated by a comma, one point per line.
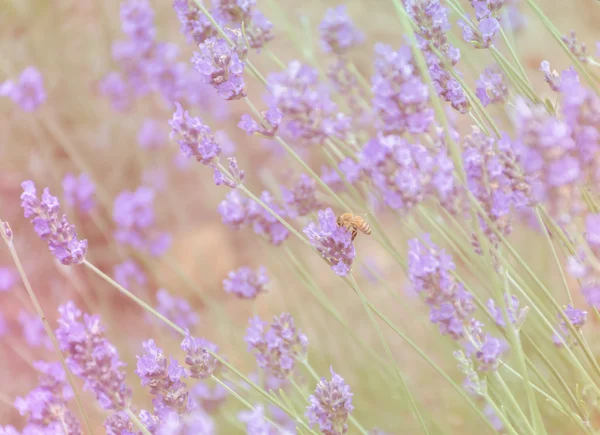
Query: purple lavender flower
x=308, y=110
x=578, y=49
x=495, y=179
x=432, y=21
x=482, y=36
x=333, y=242
x=177, y=309
x=550, y=76
x=199, y=357
x=8, y=279
x=490, y=352
x=245, y=283
x=33, y=330
x=576, y=318
x=430, y=272
x=259, y=30
x=164, y=379
x=548, y=154
x=400, y=98
x=264, y=223
x=301, y=200
x=90, y=356
x=128, y=273
x=271, y=118
x=8, y=430
x=255, y=422
x=330, y=405
x=337, y=31
x=276, y=346
x=194, y=137
x=516, y=315
x=194, y=24
x=491, y=88
x=133, y=213
x=221, y=66
x=234, y=210
x=79, y=192
x=119, y=423
x=46, y=406
x=28, y=92
x=57, y=232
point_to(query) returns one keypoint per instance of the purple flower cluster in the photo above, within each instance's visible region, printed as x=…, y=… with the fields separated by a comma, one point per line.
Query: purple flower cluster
x=400, y=98
x=430, y=271
x=481, y=36
x=222, y=67
x=576, y=318
x=56, y=231
x=176, y=309
x=196, y=140
x=431, y=19
x=28, y=92
x=550, y=76
x=276, y=345
x=555, y=152
x=46, y=406
x=495, y=179
x=199, y=356
x=516, y=315
x=210, y=398
x=333, y=242
x=133, y=213
x=578, y=49
x=229, y=14
x=403, y=173
x=90, y=356
x=268, y=125
x=337, y=31
x=330, y=405
x=301, y=200
x=309, y=113
x=491, y=88
x=79, y=192
x=238, y=211
x=164, y=378
x=246, y=283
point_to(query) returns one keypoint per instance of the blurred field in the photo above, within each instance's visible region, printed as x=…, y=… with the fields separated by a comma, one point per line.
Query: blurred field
x=77, y=131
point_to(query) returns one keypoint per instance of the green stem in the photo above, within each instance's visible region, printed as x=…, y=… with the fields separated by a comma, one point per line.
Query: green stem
x=136, y=421
x=44, y=319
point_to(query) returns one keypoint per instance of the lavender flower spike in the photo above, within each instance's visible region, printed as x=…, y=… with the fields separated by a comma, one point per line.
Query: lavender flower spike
x=199, y=357
x=29, y=92
x=330, y=405
x=334, y=243
x=54, y=230
x=220, y=66
x=276, y=346
x=91, y=357
x=245, y=283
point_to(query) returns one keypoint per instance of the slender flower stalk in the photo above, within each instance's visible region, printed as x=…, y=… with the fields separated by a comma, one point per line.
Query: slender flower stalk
x=7, y=235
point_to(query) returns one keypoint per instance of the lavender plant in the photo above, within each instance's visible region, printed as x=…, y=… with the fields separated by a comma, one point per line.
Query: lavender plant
x=469, y=304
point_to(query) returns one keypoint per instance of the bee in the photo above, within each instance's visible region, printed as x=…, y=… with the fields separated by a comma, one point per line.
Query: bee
x=353, y=223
